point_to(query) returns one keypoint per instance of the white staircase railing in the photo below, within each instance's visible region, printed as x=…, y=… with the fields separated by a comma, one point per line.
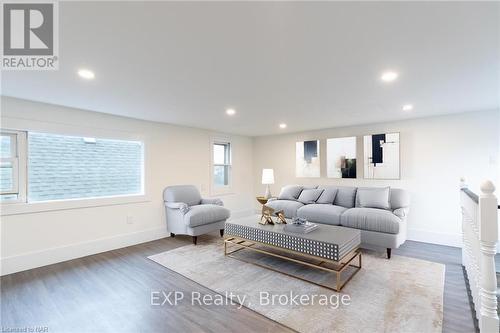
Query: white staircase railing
x=480, y=236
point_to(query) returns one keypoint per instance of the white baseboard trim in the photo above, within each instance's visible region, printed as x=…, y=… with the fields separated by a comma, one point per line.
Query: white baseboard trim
x=25, y=261
x=435, y=237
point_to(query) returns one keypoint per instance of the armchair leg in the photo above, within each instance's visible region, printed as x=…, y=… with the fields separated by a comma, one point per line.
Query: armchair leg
x=195, y=239
x=221, y=232
x=172, y=234
x=389, y=250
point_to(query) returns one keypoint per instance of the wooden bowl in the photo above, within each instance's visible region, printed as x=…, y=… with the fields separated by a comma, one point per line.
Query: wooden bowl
x=261, y=200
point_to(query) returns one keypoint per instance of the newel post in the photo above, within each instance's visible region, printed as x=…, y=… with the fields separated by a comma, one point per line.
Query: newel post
x=463, y=183
x=488, y=217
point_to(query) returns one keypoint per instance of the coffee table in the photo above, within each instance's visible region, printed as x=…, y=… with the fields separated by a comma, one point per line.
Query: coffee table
x=329, y=248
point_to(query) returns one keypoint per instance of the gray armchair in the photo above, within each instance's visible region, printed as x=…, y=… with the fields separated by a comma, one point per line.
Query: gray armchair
x=189, y=214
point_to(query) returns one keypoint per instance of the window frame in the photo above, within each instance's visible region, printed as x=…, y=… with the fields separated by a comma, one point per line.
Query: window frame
x=18, y=160
x=22, y=206
x=221, y=189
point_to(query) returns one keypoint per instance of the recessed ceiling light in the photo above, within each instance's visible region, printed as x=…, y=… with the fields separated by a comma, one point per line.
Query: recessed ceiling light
x=283, y=125
x=389, y=76
x=86, y=74
x=230, y=112
x=407, y=107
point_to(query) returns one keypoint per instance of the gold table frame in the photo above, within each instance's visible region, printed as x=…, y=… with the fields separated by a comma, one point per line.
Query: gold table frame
x=339, y=266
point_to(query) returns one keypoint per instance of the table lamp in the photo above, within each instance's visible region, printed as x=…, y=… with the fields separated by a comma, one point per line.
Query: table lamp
x=267, y=178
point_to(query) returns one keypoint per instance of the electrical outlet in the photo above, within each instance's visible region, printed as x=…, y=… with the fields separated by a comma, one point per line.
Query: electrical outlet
x=130, y=219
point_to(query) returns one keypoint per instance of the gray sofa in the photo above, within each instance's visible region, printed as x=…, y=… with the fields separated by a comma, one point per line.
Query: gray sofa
x=380, y=213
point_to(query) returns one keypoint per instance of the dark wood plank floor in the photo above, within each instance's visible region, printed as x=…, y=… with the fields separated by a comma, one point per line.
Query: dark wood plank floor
x=111, y=291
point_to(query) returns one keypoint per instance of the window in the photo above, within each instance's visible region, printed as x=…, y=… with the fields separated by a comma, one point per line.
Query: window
x=40, y=167
x=221, y=164
x=69, y=167
x=12, y=174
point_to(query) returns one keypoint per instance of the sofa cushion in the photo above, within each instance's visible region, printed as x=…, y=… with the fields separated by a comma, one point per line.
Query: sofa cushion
x=399, y=198
x=373, y=197
x=321, y=213
x=290, y=192
x=288, y=206
x=345, y=197
x=371, y=219
x=309, y=196
x=328, y=195
x=205, y=214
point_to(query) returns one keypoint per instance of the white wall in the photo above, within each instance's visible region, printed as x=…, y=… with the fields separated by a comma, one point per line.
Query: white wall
x=175, y=155
x=435, y=153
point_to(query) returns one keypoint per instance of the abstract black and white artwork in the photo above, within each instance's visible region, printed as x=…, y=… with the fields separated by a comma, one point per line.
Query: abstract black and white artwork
x=341, y=157
x=381, y=156
x=307, y=162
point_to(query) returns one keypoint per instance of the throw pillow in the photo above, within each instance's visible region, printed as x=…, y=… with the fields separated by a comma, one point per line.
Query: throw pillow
x=290, y=192
x=374, y=197
x=328, y=195
x=310, y=196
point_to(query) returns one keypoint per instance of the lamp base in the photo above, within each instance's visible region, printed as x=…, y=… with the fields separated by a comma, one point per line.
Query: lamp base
x=268, y=192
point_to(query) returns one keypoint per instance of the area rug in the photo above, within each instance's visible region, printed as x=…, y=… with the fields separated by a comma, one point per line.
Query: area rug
x=398, y=295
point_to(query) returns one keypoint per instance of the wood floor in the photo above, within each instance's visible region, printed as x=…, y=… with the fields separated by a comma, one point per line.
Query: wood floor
x=111, y=292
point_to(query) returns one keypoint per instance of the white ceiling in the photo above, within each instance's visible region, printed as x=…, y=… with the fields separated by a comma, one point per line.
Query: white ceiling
x=310, y=65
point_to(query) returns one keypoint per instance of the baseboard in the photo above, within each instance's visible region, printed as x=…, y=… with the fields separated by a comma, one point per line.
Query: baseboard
x=435, y=237
x=22, y=262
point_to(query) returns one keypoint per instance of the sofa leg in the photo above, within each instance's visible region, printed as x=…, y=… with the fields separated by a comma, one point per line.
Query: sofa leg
x=172, y=234
x=195, y=239
x=389, y=250
x=221, y=232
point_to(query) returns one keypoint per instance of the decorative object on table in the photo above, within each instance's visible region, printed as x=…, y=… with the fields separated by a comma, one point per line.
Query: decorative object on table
x=267, y=213
x=262, y=200
x=298, y=220
x=341, y=157
x=301, y=226
x=381, y=156
x=281, y=217
x=267, y=179
x=307, y=159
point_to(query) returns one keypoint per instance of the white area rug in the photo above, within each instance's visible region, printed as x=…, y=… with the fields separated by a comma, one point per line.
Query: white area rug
x=397, y=295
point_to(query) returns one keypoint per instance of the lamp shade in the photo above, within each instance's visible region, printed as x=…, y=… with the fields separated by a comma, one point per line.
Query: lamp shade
x=267, y=176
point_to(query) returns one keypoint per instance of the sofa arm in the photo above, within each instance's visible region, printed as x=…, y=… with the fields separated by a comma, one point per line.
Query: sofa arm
x=212, y=201
x=184, y=208
x=272, y=199
x=402, y=213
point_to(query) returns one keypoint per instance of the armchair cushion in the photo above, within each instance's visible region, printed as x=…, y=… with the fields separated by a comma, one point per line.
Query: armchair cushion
x=205, y=214
x=212, y=201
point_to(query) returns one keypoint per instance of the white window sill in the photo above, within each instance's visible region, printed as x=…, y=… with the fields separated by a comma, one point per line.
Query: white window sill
x=46, y=206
